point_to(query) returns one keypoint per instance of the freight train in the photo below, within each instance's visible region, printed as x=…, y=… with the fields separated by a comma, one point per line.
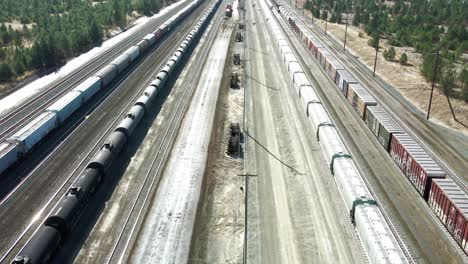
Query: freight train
x=378, y=240
x=444, y=196
x=20, y=143
x=61, y=221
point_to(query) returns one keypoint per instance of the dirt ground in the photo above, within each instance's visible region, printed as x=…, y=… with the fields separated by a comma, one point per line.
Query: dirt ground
x=405, y=79
x=218, y=234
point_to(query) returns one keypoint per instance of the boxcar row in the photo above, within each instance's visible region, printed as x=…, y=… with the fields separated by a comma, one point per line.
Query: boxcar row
x=18, y=144
x=58, y=225
x=422, y=171
x=379, y=241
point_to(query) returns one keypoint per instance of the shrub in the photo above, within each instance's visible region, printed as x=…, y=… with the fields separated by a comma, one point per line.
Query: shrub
x=389, y=54
x=403, y=59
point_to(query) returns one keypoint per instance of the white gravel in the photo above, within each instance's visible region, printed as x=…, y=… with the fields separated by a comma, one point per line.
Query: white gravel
x=168, y=228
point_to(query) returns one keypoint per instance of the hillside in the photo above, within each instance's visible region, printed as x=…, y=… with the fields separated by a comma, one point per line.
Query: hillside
x=38, y=35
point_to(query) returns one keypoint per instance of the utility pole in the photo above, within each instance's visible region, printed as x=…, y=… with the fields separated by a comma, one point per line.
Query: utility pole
x=346, y=31
x=311, y=11
x=433, y=84
x=376, y=53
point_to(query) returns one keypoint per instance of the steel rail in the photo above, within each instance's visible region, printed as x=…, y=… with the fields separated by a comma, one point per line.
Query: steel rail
x=79, y=75
x=108, y=129
x=179, y=114
x=384, y=212
x=362, y=73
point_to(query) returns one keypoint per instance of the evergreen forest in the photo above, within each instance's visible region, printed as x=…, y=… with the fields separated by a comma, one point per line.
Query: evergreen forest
x=429, y=26
x=47, y=32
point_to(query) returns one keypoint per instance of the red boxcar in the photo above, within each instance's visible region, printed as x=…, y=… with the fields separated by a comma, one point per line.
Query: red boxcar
x=316, y=45
x=415, y=163
x=450, y=204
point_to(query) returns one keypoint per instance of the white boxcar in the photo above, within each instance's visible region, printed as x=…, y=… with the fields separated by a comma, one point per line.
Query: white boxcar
x=294, y=68
x=9, y=154
x=143, y=45
x=330, y=142
x=282, y=42
x=89, y=87
x=107, y=74
x=300, y=80
x=151, y=39
x=289, y=57
x=350, y=182
x=379, y=242
x=317, y=115
x=133, y=52
x=285, y=50
x=308, y=96
x=34, y=131
x=121, y=62
x=66, y=105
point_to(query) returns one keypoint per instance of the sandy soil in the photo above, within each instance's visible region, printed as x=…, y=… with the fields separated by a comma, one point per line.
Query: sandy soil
x=405, y=79
x=17, y=25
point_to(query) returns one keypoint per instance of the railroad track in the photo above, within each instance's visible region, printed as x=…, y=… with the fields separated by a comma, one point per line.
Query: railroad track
x=163, y=150
x=396, y=232
x=390, y=100
x=168, y=48
x=30, y=109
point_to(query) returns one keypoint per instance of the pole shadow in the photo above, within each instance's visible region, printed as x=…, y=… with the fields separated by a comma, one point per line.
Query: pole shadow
x=273, y=155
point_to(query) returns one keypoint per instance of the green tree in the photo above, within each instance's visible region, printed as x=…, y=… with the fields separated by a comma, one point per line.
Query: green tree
x=316, y=12
x=19, y=67
x=324, y=15
x=5, y=72
x=389, y=54
x=373, y=42
x=463, y=78
x=36, y=56
x=428, y=64
x=357, y=16
x=403, y=59
x=96, y=33
x=119, y=16
x=334, y=18
x=448, y=79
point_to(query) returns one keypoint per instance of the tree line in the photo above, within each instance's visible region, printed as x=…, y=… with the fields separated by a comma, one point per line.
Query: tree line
x=55, y=30
x=428, y=26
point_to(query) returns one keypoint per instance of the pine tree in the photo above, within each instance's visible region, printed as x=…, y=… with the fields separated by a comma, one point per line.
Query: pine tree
x=324, y=15
x=448, y=79
x=463, y=77
x=5, y=72
x=96, y=33
x=403, y=59
x=389, y=54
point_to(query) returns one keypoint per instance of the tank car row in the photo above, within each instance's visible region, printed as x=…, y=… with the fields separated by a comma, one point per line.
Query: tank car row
x=17, y=145
x=417, y=165
x=61, y=221
x=377, y=238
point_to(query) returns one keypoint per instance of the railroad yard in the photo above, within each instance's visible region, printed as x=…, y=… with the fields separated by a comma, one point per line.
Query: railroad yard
x=226, y=132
